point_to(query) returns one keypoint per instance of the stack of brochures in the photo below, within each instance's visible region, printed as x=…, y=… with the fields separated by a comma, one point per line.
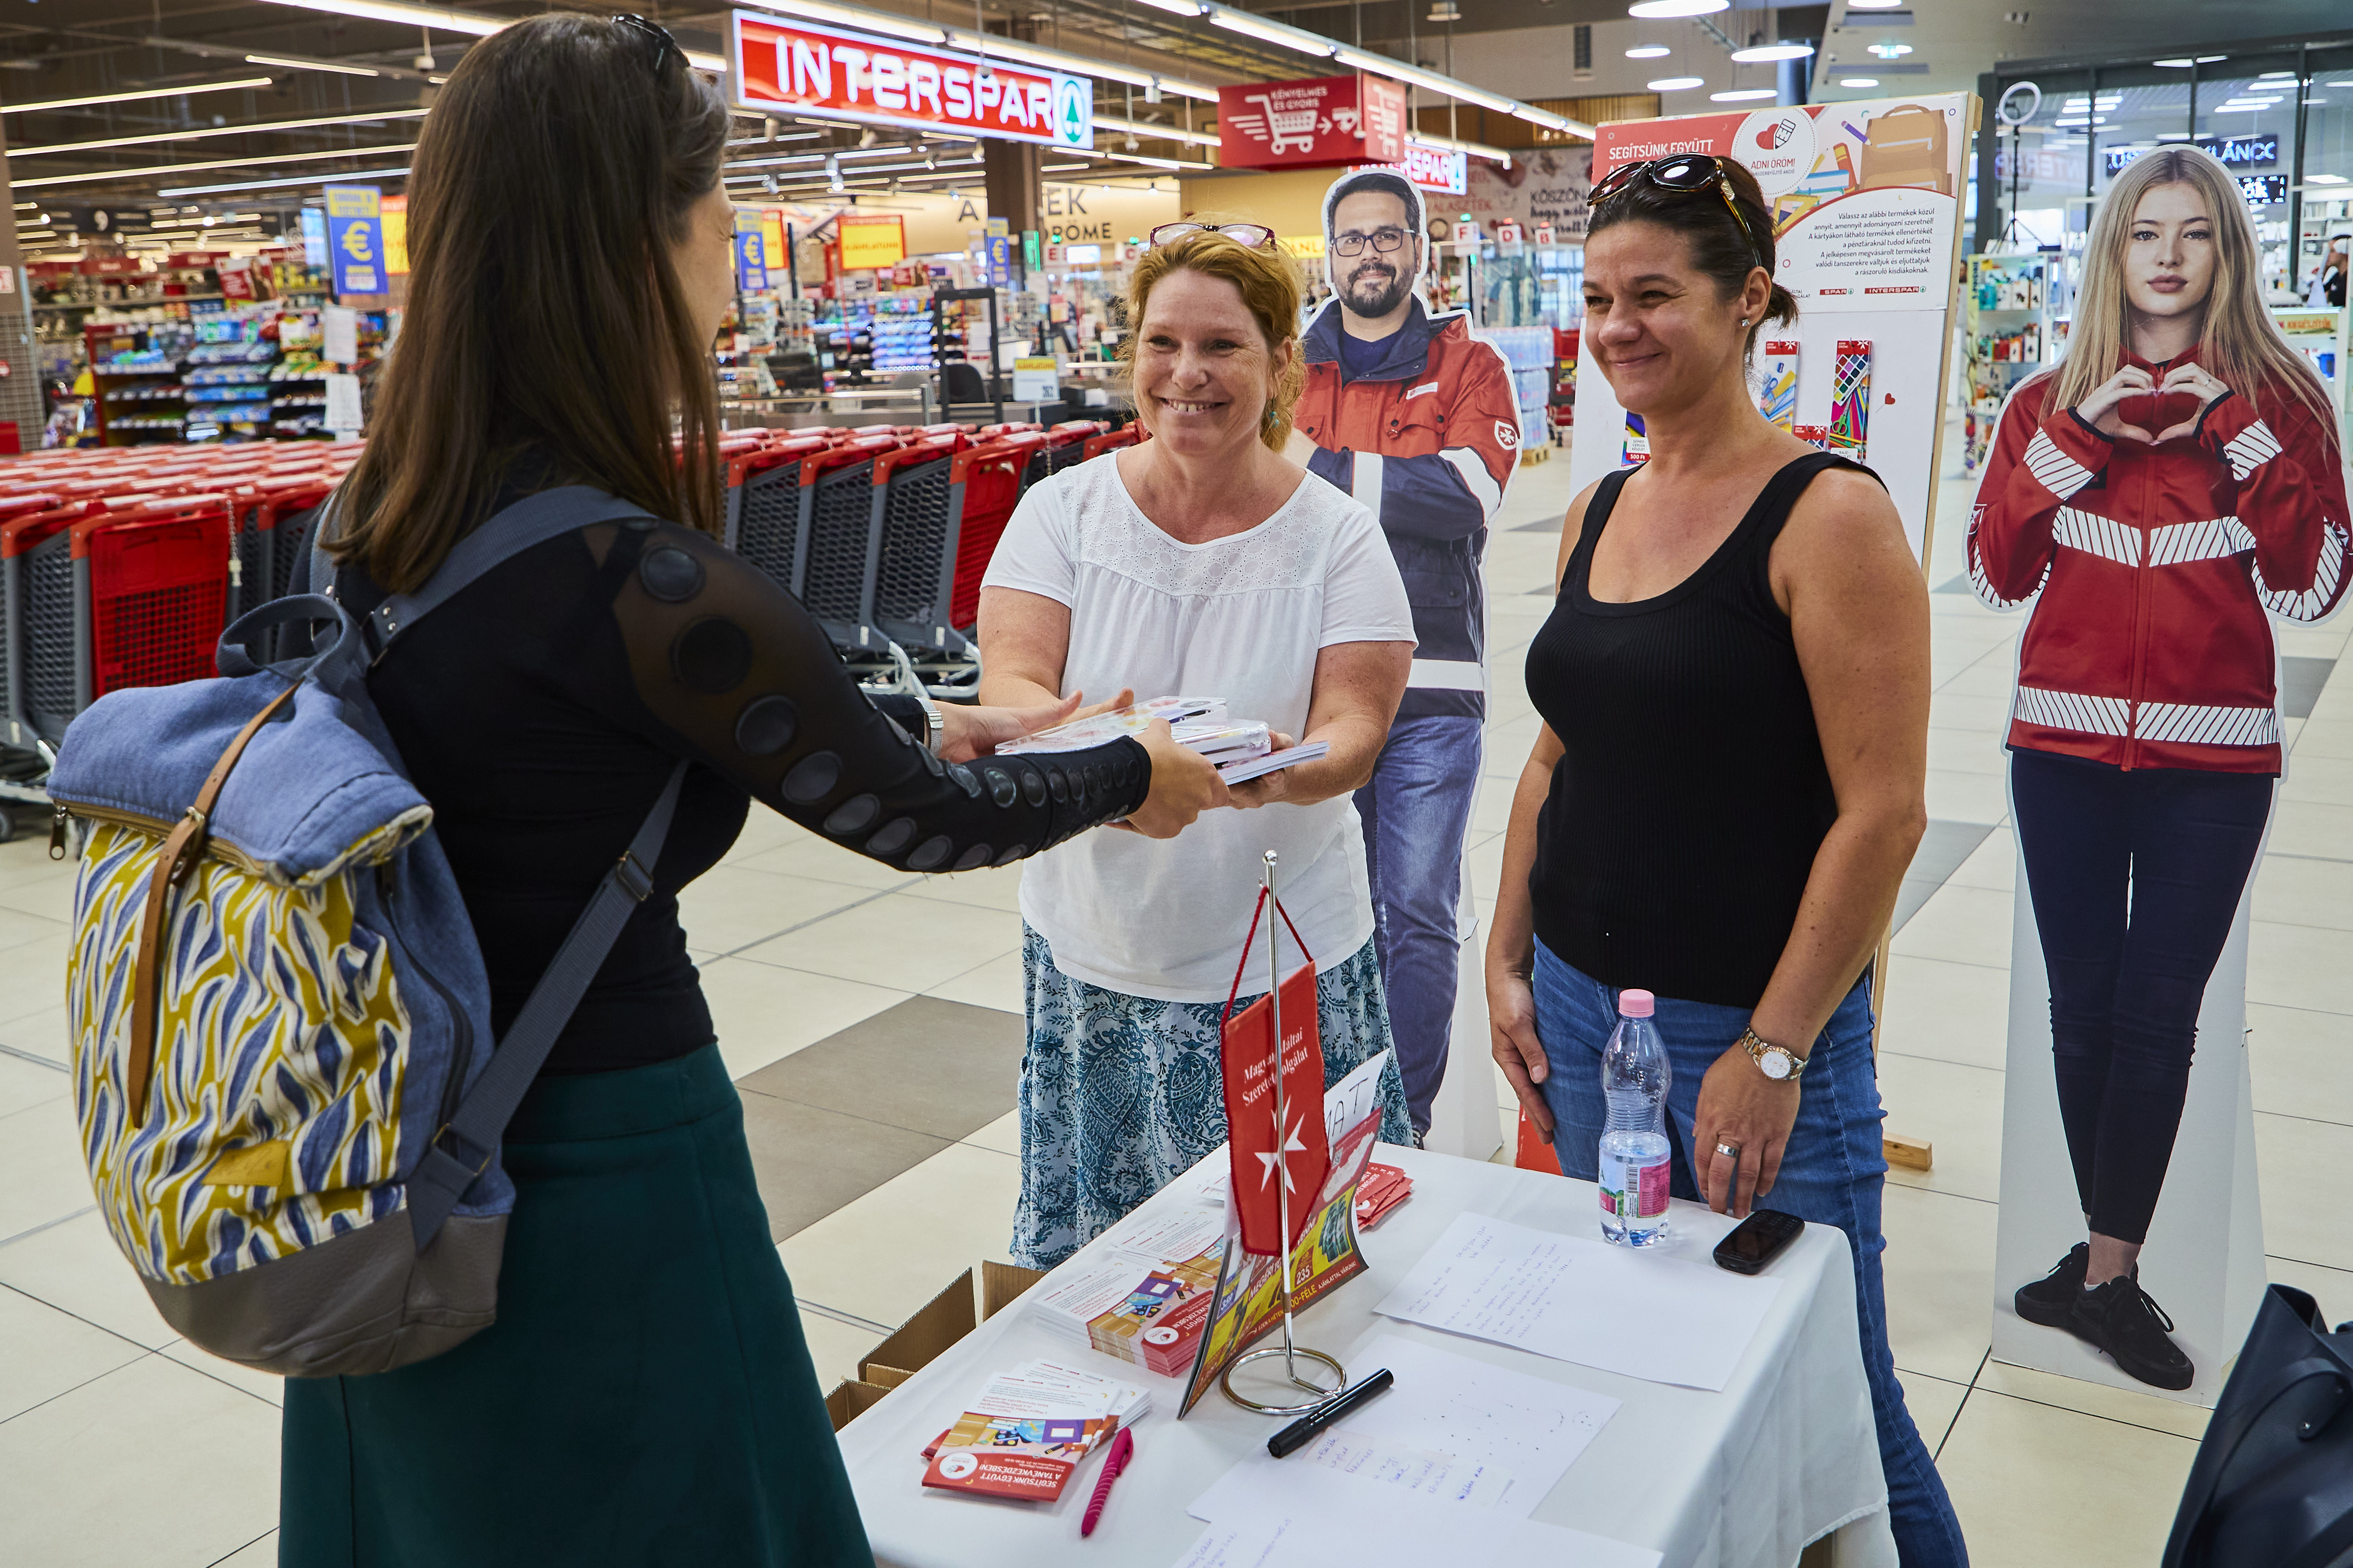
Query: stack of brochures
x=1242, y=749
x=1147, y=1298
x=1027, y=1431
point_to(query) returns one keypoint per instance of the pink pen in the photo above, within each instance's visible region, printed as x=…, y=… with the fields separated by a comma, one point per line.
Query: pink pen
x=1122, y=1448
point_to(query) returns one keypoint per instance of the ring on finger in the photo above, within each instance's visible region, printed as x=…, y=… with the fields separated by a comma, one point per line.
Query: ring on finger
x=1729, y=1150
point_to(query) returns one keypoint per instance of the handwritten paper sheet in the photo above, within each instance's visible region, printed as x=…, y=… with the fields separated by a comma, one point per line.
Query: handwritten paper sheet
x=1451, y=1429
x=1311, y=1517
x=1660, y=1319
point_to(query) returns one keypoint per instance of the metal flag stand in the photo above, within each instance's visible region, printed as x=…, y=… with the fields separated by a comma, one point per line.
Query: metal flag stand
x=1290, y=1351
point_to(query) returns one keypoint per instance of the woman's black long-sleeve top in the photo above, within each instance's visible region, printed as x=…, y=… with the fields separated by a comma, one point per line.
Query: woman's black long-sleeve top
x=542, y=708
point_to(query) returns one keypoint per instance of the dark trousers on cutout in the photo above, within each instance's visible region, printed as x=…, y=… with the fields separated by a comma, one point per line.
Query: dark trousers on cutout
x=2136, y=877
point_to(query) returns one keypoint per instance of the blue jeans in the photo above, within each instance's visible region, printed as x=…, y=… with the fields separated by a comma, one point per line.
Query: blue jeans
x=1416, y=811
x=1831, y=1172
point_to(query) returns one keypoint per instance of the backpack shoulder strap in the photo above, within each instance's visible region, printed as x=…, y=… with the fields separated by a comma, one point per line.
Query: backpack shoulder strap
x=532, y=521
x=462, y=1150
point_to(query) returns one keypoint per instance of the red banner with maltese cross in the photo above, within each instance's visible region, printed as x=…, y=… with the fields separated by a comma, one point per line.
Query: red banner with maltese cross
x=1270, y=1160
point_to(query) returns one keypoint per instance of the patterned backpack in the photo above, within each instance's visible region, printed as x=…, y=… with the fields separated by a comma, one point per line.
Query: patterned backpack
x=279, y=1019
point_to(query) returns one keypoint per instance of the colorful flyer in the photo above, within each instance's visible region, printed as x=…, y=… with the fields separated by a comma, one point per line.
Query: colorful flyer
x=1248, y=1300
x=1850, y=397
x=1778, y=400
x=1638, y=441
x=1819, y=435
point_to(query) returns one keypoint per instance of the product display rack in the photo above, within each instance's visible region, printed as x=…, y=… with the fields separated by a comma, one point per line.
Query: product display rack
x=138, y=397
x=2014, y=327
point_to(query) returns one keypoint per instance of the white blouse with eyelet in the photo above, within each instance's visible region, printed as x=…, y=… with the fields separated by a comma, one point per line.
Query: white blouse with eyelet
x=1243, y=618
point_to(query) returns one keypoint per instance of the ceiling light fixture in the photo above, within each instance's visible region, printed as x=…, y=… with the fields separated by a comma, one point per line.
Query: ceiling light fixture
x=438, y=18
x=1766, y=52
x=166, y=170
x=275, y=185
x=1743, y=95
x=1677, y=83
x=1876, y=5
x=2277, y=76
x=333, y=66
x=2324, y=179
x=1652, y=10
x=1250, y=27
x=1648, y=52
x=2185, y=62
x=1891, y=51
x=1176, y=7
x=203, y=132
x=1858, y=80
x=240, y=84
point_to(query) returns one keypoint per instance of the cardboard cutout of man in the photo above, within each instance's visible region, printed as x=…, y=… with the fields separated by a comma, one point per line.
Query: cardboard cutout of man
x=1414, y=418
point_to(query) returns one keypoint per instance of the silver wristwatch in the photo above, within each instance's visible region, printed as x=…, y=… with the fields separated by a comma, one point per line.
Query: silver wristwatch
x=1775, y=1062
x=936, y=728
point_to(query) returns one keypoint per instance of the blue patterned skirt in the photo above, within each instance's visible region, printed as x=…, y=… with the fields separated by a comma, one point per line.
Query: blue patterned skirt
x=1120, y=1094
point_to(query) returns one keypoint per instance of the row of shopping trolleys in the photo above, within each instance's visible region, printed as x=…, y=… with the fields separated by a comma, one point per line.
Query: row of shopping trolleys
x=884, y=534
x=120, y=566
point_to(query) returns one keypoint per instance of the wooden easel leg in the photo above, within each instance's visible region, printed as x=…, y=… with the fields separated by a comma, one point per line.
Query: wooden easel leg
x=1910, y=1153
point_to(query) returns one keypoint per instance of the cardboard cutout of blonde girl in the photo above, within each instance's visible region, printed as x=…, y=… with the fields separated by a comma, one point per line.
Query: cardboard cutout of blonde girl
x=2172, y=485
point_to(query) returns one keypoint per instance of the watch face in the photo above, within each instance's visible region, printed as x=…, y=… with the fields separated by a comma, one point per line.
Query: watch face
x=1775, y=1061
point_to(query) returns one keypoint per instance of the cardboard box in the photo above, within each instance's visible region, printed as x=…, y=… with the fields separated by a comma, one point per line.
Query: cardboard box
x=946, y=1318
x=850, y=1400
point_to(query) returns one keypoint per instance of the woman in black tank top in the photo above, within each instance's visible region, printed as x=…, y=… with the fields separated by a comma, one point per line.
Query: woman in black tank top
x=1729, y=783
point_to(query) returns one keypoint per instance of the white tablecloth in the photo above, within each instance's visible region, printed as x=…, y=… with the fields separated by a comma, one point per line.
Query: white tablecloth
x=1743, y=1479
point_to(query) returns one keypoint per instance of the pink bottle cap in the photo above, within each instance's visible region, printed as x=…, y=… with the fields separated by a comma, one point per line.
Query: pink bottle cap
x=1635, y=1003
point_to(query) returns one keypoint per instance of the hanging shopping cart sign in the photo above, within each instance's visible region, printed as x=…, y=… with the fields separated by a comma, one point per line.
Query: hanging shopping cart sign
x=1321, y=124
x=779, y=63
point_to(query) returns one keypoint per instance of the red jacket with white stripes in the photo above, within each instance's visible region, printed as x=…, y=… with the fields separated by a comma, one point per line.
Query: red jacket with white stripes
x=2150, y=646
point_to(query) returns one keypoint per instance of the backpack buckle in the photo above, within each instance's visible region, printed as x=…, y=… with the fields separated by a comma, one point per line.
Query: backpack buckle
x=633, y=876
x=435, y=1142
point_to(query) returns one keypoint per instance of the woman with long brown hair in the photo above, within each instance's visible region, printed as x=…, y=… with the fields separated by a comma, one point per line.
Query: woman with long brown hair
x=2175, y=477
x=645, y=1394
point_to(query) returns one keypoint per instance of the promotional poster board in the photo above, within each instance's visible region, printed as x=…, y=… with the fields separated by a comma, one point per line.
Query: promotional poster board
x=1866, y=214
x=1546, y=186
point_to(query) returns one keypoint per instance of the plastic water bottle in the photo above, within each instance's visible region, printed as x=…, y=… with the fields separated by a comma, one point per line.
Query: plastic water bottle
x=1635, y=1154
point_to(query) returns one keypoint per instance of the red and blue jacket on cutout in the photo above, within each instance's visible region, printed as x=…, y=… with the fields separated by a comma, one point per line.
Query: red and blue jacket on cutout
x=1428, y=439
x=2150, y=646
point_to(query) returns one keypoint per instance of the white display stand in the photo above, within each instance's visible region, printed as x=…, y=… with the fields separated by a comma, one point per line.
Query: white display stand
x=2203, y=1261
x=1463, y=1119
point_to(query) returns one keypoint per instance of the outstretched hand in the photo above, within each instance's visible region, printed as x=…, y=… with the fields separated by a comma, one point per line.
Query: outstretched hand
x=968, y=732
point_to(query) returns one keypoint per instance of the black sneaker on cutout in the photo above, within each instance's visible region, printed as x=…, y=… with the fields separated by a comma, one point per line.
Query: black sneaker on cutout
x=2120, y=1319
x=2051, y=1301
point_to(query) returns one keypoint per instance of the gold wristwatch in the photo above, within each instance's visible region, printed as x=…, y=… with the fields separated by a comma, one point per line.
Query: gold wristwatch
x=1775, y=1062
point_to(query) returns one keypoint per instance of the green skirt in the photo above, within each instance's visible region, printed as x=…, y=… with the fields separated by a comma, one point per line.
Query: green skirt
x=645, y=1397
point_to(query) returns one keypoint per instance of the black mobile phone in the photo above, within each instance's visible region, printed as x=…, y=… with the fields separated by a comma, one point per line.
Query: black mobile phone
x=1757, y=1240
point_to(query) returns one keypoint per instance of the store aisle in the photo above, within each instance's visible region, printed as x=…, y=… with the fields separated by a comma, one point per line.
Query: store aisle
x=873, y=1022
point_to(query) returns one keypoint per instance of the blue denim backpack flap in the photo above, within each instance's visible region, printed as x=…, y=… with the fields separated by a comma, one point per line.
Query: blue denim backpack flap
x=280, y=1020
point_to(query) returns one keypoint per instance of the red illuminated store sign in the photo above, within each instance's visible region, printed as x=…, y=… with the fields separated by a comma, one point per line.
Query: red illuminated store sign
x=780, y=64
x=1317, y=124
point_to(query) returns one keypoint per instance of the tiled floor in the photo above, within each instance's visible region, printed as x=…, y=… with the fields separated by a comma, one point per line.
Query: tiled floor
x=872, y=1022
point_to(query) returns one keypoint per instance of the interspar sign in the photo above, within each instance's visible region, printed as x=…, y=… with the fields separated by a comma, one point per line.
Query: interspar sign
x=780, y=64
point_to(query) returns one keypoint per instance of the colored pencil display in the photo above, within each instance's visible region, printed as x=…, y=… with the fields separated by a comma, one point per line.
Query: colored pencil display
x=1850, y=397
x=1779, y=399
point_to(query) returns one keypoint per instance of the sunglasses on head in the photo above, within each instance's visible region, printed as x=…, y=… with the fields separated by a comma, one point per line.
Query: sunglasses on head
x=1256, y=236
x=1681, y=173
x=653, y=36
